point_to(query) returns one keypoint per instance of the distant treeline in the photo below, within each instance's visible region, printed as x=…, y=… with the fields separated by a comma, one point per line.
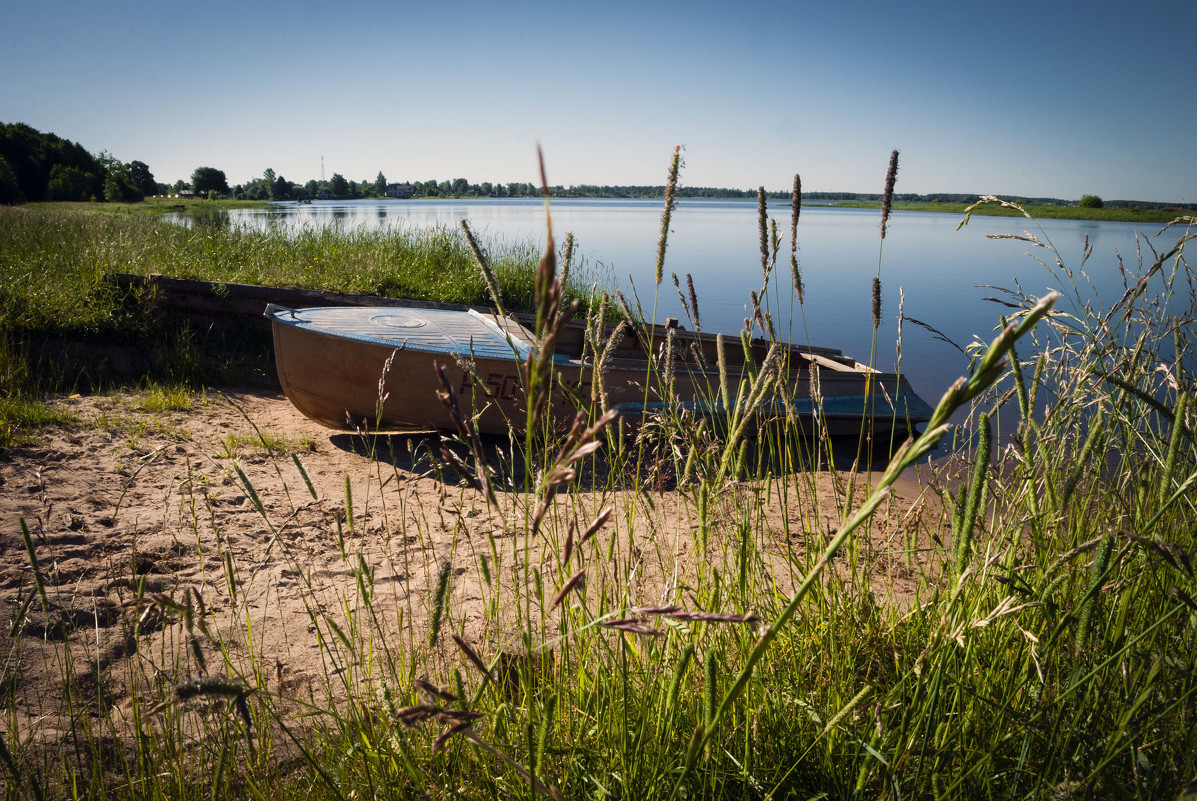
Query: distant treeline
x=272, y=187
x=36, y=166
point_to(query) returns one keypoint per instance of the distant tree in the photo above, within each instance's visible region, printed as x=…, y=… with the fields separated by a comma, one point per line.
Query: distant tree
x=461, y=186
x=380, y=184
x=143, y=179
x=1091, y=202
x=10, y=190
x=282, y=189
x=338, y=186
x=254, y=190
x=72, y=184
x=118, y=183
x=178, y=186
x=112, y=190
x=312, y=188
x=209, y=180
x=268, y=183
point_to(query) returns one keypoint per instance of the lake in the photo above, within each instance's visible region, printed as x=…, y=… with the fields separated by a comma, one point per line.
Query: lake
x=945, y=274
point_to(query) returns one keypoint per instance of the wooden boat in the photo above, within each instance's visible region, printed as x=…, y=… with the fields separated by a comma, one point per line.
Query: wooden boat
x=373, y=368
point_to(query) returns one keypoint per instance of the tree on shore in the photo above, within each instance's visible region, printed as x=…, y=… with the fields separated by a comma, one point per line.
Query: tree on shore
x=70, y=183
x=1091, y=202
x=142, y=178
x=209, y=179
x=338, y=186
x=120, y=186
x=10, y=191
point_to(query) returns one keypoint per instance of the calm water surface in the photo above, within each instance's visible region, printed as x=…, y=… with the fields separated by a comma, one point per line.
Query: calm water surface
x=946, y=275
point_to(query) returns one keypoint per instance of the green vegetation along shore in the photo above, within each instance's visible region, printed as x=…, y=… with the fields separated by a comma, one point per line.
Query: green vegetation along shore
x=1049, y=211
x=40, y=167
x=62, y=319
x=674, y=611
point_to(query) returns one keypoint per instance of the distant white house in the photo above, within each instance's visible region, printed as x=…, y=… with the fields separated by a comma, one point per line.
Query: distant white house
x=403, y=190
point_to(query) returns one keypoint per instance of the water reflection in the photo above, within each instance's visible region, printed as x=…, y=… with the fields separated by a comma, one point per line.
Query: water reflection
x=202, y=218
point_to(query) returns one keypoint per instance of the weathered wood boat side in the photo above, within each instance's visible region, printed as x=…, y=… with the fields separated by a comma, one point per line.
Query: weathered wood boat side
x=373, y=368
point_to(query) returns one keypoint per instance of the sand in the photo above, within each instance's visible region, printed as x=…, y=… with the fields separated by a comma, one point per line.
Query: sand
x=134, y=515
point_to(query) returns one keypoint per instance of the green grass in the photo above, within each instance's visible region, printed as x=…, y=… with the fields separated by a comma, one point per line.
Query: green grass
x=1048, y=652
x=167, y=399
x=1039, y=212
x=69, y=327
x=233, y=445
x=81, y=247
x=153, y=206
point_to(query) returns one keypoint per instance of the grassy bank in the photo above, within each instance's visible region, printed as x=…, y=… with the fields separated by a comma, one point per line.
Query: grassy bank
x=79, y=245
x=1052, y=212
x=153, y=206
x=743, y=648
x=64, y=327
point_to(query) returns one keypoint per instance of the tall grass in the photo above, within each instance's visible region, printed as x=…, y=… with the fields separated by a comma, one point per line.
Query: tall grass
x=80, y=248
x=55, y=265
x=606, y=624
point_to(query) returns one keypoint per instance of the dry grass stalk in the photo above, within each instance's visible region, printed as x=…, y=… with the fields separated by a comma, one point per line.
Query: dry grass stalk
x=876, y=301
x=479, y=477
x=887, y=199
x=666, y=215
x=484, y=265
x=795, y=211
x=762, y=218
x=575, y=580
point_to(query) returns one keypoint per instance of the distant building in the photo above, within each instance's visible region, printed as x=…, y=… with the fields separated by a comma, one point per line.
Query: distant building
x=403, y=190
x=324, y=195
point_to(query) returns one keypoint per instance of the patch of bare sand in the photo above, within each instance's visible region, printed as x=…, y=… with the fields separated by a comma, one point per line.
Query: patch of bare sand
x=134, y=514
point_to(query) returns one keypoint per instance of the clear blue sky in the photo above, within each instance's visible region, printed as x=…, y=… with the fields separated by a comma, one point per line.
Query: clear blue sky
x=1022, y=97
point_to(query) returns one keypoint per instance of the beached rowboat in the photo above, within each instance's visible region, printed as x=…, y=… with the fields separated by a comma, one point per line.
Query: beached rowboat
x=373, y=368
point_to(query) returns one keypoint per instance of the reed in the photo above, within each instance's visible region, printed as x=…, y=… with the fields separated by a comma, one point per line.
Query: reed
x=673, y=611
x=667, y=214
x=795, y=213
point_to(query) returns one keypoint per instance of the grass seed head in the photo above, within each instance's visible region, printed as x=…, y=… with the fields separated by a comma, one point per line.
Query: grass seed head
x=887, y=199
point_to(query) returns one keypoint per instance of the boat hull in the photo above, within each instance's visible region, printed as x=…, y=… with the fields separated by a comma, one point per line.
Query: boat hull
x=349, y=376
